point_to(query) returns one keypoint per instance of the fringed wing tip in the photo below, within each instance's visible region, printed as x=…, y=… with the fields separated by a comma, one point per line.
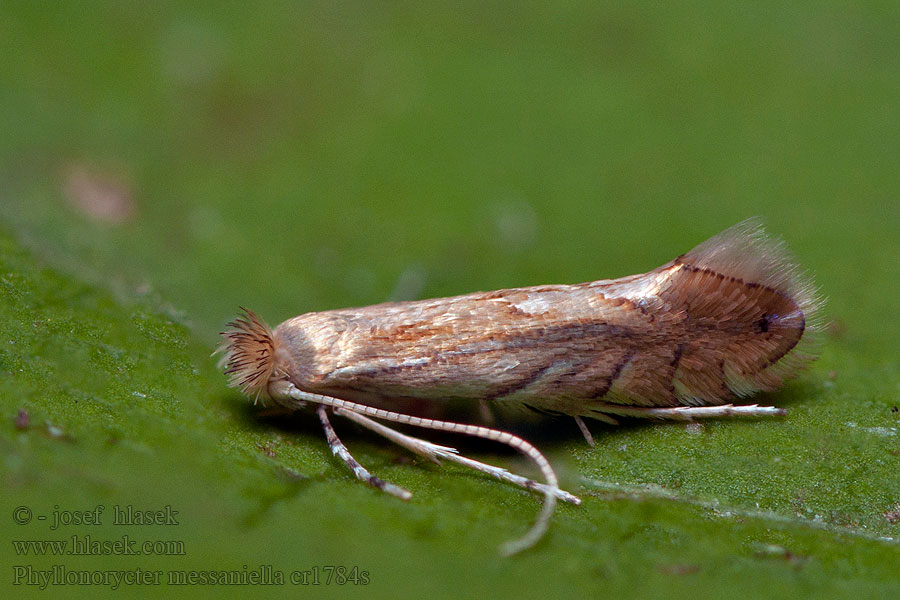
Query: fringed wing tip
x=746, y=251
x=751, y=261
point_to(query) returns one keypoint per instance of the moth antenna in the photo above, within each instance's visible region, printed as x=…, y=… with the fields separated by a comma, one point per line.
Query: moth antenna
x=285, y=392
x=248, y=355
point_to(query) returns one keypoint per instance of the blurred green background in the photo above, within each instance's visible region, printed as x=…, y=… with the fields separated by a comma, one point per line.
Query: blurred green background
x=162, y=164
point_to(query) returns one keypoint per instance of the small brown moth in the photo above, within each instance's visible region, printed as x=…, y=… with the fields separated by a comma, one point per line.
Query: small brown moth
x=732, y=317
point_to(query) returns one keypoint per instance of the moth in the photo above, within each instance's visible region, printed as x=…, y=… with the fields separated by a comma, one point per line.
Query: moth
x=732, y=317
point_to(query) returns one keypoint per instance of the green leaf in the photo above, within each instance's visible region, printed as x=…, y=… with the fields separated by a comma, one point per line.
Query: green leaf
x=160, y=169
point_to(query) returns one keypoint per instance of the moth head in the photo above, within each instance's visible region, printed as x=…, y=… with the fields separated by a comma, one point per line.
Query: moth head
x=250, y=355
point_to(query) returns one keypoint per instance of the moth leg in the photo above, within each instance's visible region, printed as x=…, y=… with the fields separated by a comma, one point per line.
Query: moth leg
x=340, y=450
x=689, y=413
x=602, y=417
x=435, y=452
x=584, y=431
x=287, y=394
x=429, y=450
x=485, y=412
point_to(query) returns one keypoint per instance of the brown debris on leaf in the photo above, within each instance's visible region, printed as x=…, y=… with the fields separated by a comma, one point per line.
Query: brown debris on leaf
x=101, y=196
